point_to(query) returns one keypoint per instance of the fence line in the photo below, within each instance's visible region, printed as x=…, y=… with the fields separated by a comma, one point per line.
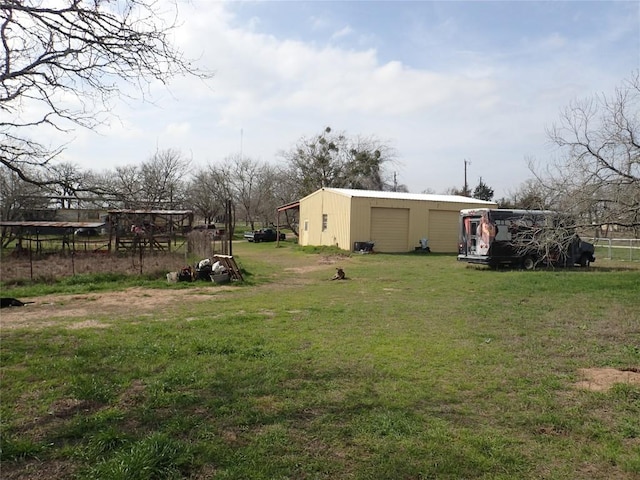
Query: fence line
x=630, y=244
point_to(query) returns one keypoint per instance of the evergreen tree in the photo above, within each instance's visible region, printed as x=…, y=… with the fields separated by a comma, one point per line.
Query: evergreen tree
x=483, y=191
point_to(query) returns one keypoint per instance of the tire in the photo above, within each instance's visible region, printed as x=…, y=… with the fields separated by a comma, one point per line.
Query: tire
x=528, y=263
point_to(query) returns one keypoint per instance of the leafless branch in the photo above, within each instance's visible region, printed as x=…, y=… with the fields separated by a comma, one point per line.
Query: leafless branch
x=64, y=61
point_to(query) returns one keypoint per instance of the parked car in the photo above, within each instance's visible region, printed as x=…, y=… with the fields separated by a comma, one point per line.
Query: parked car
x=86, y=232
x=264, y=235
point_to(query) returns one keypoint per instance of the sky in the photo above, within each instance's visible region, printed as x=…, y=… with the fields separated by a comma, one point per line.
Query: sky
x=440, y=82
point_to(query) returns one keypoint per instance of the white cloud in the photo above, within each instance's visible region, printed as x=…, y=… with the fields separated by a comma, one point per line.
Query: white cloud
x=489, y=106
x=319, y=23
x=178, y=129
x=343, y=32
x=553, y=42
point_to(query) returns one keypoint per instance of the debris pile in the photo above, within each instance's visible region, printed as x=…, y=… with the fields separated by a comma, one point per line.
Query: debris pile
x=204, y=270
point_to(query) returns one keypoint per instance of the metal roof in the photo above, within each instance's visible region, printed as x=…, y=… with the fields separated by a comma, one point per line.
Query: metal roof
x=154, y=212
x=515, y=211
x=53, y=224
x=407, y=196
x=287, y=206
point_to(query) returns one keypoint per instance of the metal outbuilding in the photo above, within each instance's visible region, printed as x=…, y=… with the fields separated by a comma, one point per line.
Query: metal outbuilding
x=394, y=222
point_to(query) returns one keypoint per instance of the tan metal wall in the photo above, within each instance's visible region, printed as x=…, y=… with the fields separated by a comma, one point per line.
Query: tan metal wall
x=338, y=210
x=352, y=219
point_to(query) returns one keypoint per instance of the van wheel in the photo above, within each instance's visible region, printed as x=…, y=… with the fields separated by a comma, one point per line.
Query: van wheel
x=584, y=261
x=528, y=263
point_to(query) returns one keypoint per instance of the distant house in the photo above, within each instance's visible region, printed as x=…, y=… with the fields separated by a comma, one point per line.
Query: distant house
x=80, y=214
x=393, y=221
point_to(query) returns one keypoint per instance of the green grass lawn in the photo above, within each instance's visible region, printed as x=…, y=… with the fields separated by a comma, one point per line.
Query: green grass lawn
x=415, y=367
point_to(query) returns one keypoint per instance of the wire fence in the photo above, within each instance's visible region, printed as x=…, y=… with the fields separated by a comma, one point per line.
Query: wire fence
x=627, y=249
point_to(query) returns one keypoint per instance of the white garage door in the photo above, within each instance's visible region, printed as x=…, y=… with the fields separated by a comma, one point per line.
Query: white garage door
x=443, y=231
x=389, y=229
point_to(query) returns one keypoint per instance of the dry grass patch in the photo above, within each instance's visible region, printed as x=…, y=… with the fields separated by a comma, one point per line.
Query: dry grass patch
x=61, y=266
x=602, y=379
x=51, y=310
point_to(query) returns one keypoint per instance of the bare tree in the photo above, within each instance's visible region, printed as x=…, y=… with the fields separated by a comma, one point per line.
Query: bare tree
x=220, y=189
x=285, y=190
x=314, y=162
x=546, y=238
x=66, y=179
x=64, y=61
x=156, y=183
x=364, y=164
x=456, y=191
x=126, y=185
x=161, y=179
x=335, y=160
x=252, y=186
x=18, y=200
x=251, y=183
x=529, y=195
x=269, y=196
x=203, y=196
x=598, y=177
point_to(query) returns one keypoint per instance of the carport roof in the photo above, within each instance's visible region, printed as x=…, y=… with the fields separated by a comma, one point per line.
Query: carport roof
x=53, y=224
x=151, y=211
x=288, y=206
x=408, y=196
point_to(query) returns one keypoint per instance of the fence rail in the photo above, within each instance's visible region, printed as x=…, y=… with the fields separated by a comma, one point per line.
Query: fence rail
x=619, y=248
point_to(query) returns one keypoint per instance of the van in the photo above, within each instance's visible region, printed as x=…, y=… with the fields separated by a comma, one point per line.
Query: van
x=521, y=239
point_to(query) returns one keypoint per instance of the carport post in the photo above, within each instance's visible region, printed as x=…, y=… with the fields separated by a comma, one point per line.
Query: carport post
x=229, y=227
x=30, y=258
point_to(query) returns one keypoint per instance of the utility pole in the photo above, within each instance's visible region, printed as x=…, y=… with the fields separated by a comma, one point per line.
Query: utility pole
x=466, y=185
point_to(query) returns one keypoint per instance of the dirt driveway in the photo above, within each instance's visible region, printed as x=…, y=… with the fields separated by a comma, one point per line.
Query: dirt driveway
x=51, y=310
